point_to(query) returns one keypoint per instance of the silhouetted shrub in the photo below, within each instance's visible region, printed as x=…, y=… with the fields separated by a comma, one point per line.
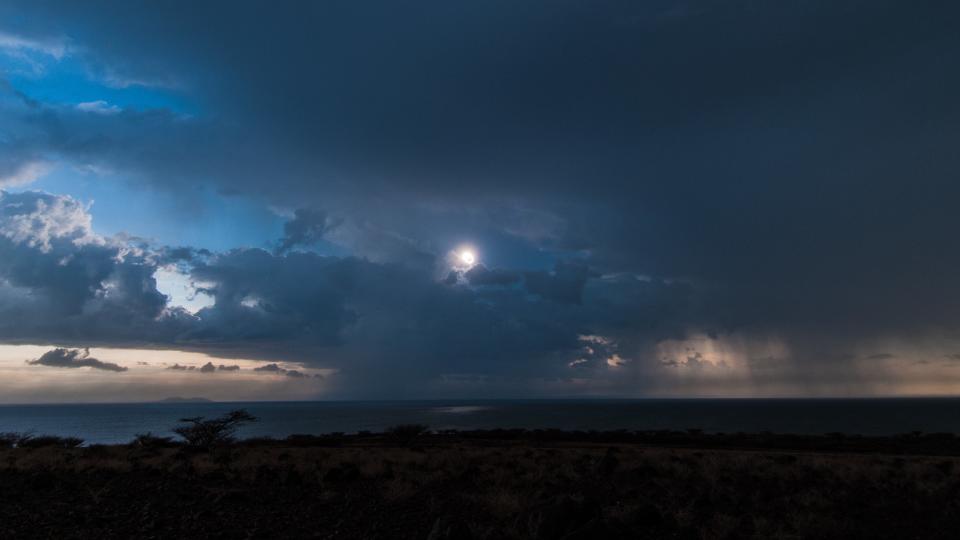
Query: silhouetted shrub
x=149, y=440
x=255, y=442
x=342, y=474
x=10, y=439
x=303, y=440
x=29, y=440
x=406, y=433
x=98, y=451
x=41, y=441
x=202, y=433
x=307, y=441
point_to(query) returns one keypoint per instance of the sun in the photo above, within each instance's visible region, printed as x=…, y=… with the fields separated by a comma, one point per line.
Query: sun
x=463, y=258
x=468, y=257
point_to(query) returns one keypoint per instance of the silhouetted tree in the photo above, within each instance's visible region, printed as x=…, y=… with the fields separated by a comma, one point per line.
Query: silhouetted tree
x=203, y=433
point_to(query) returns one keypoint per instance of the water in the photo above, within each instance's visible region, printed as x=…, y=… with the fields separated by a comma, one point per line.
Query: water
x=114, y=423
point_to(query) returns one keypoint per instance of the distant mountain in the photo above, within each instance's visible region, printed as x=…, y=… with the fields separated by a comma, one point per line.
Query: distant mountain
x=177, y=399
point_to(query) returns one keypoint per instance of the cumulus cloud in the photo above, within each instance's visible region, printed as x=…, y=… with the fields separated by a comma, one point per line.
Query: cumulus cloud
x=38, y=220
x=72, y=283
x=276, y=369
x=179, y=367
x=209, y=367
x=73, y=358
x=307, y=227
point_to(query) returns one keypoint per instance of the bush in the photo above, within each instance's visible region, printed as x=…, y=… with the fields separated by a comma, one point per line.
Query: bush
x=202, y=433
x=308, y=441
x=255, y=442
x=406, y=433
x=41, y=441
x=10, y=439
x=149, y=440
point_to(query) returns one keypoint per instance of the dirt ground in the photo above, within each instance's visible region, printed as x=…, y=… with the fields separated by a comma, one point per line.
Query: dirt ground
x=474, y=489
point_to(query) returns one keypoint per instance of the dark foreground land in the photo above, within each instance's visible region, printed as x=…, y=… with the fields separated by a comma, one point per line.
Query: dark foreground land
x=491, y=485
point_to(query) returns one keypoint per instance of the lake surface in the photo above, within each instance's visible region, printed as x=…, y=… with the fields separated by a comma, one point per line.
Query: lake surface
x=113, y=423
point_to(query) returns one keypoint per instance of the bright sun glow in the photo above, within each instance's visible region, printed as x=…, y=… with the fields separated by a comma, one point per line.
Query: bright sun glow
x=467, y=257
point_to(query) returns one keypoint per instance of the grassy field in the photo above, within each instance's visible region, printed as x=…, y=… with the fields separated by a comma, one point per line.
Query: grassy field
x=454, y=486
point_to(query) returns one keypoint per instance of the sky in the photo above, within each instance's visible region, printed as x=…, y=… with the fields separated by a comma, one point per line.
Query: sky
x=499, y=199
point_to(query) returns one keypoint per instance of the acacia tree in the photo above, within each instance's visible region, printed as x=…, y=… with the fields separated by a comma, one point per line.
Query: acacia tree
x=218, y=431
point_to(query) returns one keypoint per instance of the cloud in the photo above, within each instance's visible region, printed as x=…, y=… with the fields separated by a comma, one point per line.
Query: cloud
x=98, y=107
x=270, y=368
x=59, y=279
x=608, y=192
x=54, y=47
x=565, y=284
x=22, y=173
x=481, y=275
x=276, y=369
x=178, y=367
x=38, y=220
x=377, y=326
x=307, y=227
x=73, y=358
x=694, y=360
x=209, y=367
x=597, y=352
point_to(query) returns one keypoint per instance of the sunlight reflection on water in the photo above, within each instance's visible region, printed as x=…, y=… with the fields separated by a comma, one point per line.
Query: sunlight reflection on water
x=461, y=409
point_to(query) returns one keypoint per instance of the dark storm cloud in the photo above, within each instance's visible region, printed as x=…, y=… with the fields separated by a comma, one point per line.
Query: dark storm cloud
x=73, y=358
x=365, y=317
x=772, y=170
x=355, y=315
x=58, y=280
x=565, y=284
x=307, y=227
x=180, y=254
x=481, y=275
